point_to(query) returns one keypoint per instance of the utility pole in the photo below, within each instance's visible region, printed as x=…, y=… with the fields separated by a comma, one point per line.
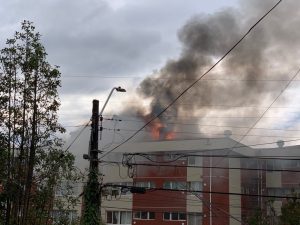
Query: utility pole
x=92, y=192
x=92, y=195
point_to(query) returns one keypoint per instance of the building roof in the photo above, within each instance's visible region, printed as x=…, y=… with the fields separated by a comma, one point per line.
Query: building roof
x=226, y=144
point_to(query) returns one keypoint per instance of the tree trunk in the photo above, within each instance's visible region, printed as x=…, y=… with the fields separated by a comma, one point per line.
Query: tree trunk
x=31, y=151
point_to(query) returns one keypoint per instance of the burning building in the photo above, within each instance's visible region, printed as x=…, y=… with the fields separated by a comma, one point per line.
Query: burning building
x=208, y=181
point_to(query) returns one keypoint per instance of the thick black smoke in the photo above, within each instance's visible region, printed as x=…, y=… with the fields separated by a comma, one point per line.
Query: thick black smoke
x=268, y=53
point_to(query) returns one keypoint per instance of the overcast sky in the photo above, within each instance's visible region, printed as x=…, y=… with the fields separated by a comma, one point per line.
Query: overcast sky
x=103, y=38
x=99, y=44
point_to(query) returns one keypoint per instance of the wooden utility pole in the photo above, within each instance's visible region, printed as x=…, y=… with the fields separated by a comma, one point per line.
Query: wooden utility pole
x=92, y=195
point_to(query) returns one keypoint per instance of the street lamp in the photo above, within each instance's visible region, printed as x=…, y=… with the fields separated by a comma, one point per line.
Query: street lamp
x=118, y=89
x=92, y=193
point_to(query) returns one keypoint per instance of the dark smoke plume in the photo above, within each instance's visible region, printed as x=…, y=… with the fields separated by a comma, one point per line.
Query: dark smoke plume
x=266, y=54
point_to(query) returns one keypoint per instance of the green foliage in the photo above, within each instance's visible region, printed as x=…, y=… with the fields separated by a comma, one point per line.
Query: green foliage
x=91, y=215
x=290, y=211
x=33, y=163
x=259, y=218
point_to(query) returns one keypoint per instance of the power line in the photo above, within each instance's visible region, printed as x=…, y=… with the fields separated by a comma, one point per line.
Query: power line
x=197, y=80
x=210, y=192
x=182, y=155
x=204, y=167
x=213, y=117
x=264, y=113
x=193, y=201
x=207, y=133
x=77, y=136
x=194, y=124
x=181, y=79
x=207, y=125
x=223, y=106
x=236, y=147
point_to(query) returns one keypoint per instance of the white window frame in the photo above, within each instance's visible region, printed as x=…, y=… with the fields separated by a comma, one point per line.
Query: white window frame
x=171, y=216
x=140, y=215
x=119, y=214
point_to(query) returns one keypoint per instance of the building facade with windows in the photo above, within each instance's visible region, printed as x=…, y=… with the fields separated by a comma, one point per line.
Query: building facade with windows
x=195, y=182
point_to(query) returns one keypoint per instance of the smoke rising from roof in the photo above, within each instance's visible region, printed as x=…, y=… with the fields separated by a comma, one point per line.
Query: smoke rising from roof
x=268, y=53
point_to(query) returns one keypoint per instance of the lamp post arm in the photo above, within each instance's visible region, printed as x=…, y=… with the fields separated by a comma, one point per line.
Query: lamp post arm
x=112, y=90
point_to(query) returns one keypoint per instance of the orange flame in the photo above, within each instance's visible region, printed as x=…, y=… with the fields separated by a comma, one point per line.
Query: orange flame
x=170, y=136
x=156, y=129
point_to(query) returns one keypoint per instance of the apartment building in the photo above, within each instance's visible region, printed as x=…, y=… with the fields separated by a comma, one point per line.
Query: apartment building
x=199, y=189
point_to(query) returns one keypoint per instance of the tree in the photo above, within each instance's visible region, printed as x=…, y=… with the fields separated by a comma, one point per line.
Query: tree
x=290, y=211
x=34, y=161
x=264, y=216
x=259, y=218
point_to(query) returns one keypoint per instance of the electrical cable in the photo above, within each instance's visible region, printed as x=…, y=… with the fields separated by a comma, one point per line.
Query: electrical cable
x=267, y=109
x=264, y=113
x=225, y=106
x=207, y=133
x=212, y=125
x=198, y=79
x=213, y=117
x=213, y=192
x=204, y=167
x=185, y=79
x=236, y=147
x=217, y=106
x=77, y=136
x=164, y=197
x=185, y=155
x=190, y=202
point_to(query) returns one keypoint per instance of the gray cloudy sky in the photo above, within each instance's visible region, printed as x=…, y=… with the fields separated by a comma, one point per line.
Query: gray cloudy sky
x=124, y=41
x=110, y=38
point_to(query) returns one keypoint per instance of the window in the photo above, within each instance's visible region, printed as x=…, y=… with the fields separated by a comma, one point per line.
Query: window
x=194, y=161
x=246, y=190
x=144, y=215
x=273, y=165
x=125, y=217
x=281, y=191
x=118, y=217
x=292, y=164
x=174, y=216
x=145, y=184
x=191, y=160
x=117, y=190
x=194, y=219
x=195, y=186
x=176, y=185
